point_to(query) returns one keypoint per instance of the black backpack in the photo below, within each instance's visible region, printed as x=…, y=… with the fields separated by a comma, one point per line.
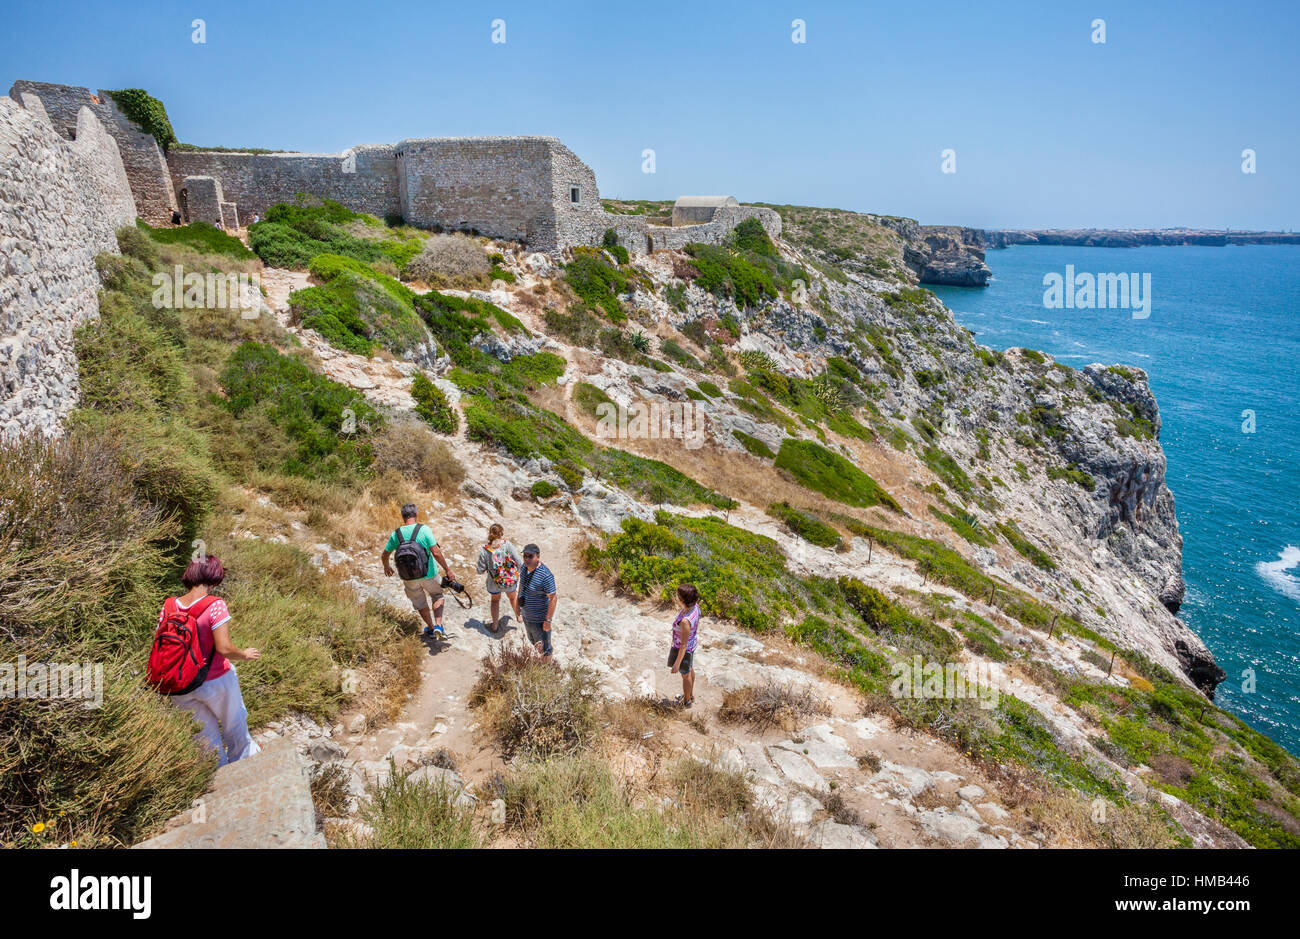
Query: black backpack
x=411, y=557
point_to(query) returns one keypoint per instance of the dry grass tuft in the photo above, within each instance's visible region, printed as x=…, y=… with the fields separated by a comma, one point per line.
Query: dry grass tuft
x=410, y=448
x=536, y=709
x=1071, y=819
x=769, y=705
x=456, y=261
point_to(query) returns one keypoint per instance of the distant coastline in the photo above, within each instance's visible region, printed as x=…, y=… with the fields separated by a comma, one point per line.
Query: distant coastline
x=1135, y=237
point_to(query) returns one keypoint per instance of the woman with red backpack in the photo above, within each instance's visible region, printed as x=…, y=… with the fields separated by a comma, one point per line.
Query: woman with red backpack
x=501, y=561
x=190, y=662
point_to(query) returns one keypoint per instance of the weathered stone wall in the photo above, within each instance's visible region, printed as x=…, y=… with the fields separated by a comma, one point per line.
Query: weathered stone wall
x=364, y=178
x=498, y=186
x=63, y=199
x=141, y=156
x=725, y=218
x=201, y=198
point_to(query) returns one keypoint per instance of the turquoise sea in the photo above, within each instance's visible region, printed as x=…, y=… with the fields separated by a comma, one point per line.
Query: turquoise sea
x=1222, y=339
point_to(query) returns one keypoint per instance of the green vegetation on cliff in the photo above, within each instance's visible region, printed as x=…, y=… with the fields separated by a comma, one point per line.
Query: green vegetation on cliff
x=832, y=475
x=147, y=112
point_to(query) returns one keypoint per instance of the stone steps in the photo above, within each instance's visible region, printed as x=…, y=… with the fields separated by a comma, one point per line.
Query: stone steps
x=263, y=801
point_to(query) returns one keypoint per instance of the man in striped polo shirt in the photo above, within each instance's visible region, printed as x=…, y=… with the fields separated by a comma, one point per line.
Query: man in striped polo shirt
x=537, y=600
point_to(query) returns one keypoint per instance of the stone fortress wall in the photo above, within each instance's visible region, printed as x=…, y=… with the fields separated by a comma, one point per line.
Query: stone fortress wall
x=143, y=159
x=66, y=190
x=364, y=179
x=531, y=189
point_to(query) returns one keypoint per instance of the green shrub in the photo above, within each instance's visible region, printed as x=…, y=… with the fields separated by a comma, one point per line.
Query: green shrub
x=673, y=350
x=948, y=470
x=534, y=371
x=432, y=405
x=308, y=408
x=200, y=236
x=147, y=112
x=820, y=470
x=598, y=284
x=754, y=445
x=709, y=388
x=1025, y=547
x=751, y=236
x=543, y=489
x=357, y=308
x=588, y=397
x=807, y=526
x=727, y=274
x=964, y=524
x=610, y=244
x=882, y=615
x=1074, y=475
x=294, y=233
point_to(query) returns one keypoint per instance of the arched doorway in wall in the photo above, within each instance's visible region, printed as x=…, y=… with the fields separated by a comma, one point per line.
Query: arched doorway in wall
x=182, y=200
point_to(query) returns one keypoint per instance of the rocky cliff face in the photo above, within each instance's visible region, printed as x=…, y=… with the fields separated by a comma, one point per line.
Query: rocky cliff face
x=949, y=255
x=1069, y=458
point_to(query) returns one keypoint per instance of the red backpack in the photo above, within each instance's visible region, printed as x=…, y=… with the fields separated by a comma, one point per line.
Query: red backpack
x=176, y=661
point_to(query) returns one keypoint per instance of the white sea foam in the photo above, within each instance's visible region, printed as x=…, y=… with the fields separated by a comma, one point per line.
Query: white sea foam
x=1275, y=572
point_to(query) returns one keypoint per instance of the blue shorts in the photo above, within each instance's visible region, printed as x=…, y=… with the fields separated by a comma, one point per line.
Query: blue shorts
x=537, y=632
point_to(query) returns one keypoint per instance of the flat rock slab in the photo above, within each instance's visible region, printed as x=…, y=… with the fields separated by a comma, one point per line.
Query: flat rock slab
x=833, y=835
x=263, y=801
x=903, y=780
x=956, y=828
x=823, y=755
x=797, y=769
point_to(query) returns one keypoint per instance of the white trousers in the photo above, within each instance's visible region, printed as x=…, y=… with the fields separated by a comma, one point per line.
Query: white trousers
x=219, y=708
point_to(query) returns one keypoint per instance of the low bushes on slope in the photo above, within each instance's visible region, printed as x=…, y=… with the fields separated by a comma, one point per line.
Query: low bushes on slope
x=747, y=269
x=294, y=233
x=201, y=236
x=807, y=526
x=1026, y=548
x=590, y=398
x=742, y=576
x=827, y=399
x=432, y=405
x=598, y=284
x=754, y=445
x=964, y=524
x=1199, y=753
x=820, y=470
x=358, y=309
x=551, y=724
x=308, y=408
x=499, y=412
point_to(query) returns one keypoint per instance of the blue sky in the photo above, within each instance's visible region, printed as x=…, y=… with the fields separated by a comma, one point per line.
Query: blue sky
x=1049, y=128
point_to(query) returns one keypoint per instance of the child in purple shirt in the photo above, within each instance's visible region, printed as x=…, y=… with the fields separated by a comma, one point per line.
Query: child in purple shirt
x=686, y=630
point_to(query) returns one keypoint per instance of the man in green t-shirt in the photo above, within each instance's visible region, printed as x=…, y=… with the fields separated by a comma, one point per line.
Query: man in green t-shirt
x=418, y=543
